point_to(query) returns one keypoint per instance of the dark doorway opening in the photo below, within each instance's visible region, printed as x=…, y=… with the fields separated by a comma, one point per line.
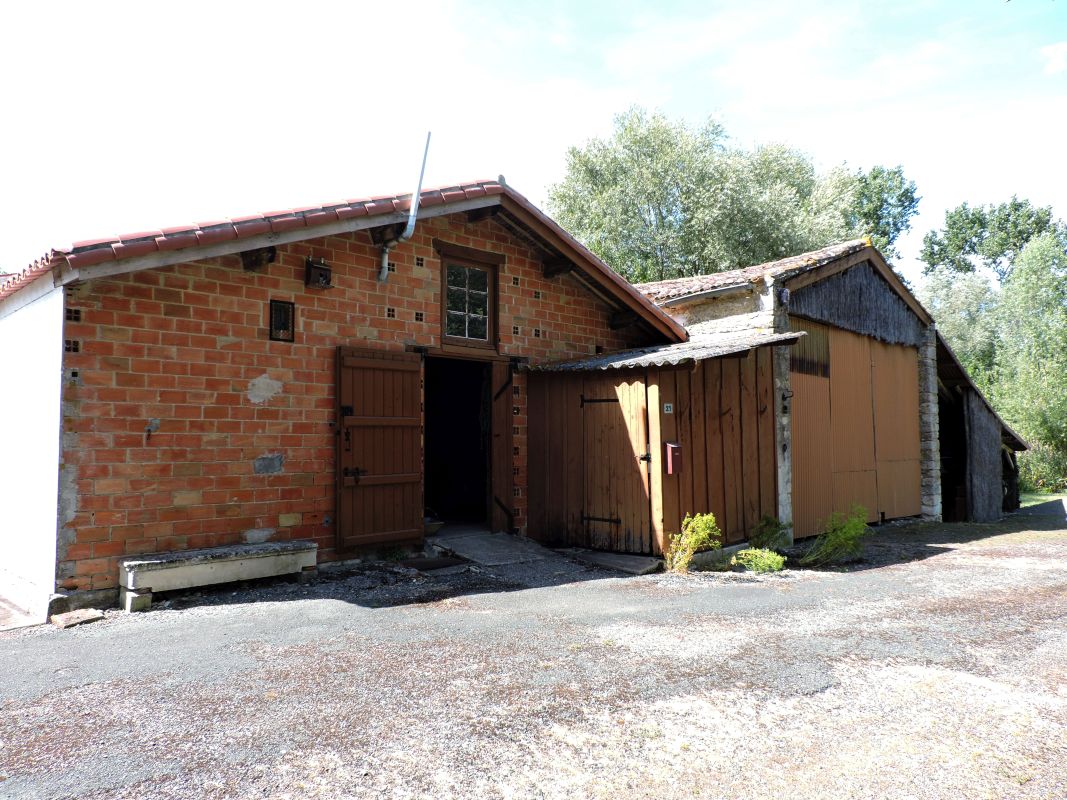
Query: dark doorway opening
x=952, y=441
x=457, y=439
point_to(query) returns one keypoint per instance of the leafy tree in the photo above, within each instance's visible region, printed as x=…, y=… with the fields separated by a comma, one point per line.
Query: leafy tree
x=992, y=236
x=885, y=202
x=965, y=307
x=1031, y=359
x=659, y=200
x=630, y=198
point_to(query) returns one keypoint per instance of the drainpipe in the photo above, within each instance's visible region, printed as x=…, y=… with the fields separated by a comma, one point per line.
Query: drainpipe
x=383, y=273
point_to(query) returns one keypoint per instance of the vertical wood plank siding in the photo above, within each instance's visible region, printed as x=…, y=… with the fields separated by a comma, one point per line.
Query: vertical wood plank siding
x=722, y=416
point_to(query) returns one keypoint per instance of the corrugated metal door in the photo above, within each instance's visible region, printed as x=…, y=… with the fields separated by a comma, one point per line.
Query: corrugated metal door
x=812, y=452
x=852, y=424
x=896, y=423
x=379, y=447
x=616, y=512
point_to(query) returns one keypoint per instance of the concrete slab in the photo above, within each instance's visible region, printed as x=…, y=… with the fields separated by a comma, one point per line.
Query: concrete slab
x=11, y=616
x=489, y=549
x=634, y=565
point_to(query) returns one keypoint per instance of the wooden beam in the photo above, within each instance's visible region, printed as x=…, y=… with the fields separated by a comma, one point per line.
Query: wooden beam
x=622, y=319
x=479, y=214
x=556, y=266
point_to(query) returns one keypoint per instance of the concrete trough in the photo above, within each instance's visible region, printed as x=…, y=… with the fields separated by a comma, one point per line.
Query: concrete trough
x=140, y=576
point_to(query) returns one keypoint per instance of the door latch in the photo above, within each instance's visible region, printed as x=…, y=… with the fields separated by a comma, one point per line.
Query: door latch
x=647, y=457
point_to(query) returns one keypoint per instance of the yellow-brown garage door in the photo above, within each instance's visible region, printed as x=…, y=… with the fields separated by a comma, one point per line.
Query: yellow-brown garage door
x=855, y=427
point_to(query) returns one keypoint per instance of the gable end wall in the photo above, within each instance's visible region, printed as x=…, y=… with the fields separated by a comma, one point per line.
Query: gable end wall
x=836, y=299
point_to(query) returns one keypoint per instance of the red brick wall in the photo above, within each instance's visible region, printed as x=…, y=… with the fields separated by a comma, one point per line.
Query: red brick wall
x=181, y=345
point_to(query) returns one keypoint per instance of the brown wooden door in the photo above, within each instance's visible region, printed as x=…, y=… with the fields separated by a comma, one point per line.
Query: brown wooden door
x=501, y=460
x=379, y=448
x=616, y=511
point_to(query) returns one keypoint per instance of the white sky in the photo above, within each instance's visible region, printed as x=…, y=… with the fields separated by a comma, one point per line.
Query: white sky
x=119, y=117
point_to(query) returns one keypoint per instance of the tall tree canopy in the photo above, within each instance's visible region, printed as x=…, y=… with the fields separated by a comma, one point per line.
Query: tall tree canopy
x=990, y=236
x=660, y=200
x=1010, y=333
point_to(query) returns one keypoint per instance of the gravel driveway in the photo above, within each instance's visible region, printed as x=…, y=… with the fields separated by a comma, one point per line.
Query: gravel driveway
x=936, y=668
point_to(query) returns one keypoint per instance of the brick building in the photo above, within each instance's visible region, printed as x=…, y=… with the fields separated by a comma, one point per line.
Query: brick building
x=178, y=389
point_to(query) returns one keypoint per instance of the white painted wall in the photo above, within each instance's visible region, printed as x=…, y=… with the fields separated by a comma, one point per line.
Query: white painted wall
x=31, y=376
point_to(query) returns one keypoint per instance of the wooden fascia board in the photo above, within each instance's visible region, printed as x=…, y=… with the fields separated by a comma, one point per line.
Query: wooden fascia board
x=615, y=285
x=67, y=274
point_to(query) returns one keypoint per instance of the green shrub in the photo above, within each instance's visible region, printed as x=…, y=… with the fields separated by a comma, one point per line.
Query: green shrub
x=841, y=541
x=1042, y=469
x=769, y=534
x=699, y=533
x=759, y=559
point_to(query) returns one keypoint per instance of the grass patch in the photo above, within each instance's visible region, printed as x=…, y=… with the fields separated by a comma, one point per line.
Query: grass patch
x=759, y=560
x=1037, y=498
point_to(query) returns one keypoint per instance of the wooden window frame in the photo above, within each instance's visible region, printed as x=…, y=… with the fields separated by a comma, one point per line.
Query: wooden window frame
x=469, y=258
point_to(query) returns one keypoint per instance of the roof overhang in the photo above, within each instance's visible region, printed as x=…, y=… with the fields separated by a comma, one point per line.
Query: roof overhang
x=708, y=294
x=698, y=348
x=951, y=373
x=169, y=246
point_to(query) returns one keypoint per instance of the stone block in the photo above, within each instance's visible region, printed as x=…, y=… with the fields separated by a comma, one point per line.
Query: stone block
x=79, y=617
x=131, y=600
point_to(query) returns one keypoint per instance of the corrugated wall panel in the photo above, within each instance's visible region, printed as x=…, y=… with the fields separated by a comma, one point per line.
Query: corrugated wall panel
x=812, y=465
x=852, y=424
x=895, y=379
x=809, y=363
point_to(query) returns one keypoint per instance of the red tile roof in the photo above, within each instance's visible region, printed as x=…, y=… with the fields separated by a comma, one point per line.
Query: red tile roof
x=661, y=291
x=115, y=248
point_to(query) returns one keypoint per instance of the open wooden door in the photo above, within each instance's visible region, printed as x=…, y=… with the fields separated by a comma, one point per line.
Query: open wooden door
x=501, y=473
x=617, y=512
x=379, y=448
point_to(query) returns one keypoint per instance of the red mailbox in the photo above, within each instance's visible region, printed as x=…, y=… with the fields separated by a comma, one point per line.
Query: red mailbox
x=674, y=458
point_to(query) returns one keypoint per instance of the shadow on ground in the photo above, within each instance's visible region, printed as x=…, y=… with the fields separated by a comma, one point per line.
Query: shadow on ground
x=377, y=584
x=897, y=543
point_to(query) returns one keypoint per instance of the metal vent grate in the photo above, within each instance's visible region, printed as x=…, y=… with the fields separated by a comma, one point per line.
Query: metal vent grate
x=282, y=321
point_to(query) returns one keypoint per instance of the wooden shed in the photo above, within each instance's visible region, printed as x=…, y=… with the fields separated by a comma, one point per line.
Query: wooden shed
x=632, y=442
x=979, y=468
x=859, y=416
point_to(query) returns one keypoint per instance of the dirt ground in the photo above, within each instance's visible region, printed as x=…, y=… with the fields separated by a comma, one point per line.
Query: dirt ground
x=934, y=668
